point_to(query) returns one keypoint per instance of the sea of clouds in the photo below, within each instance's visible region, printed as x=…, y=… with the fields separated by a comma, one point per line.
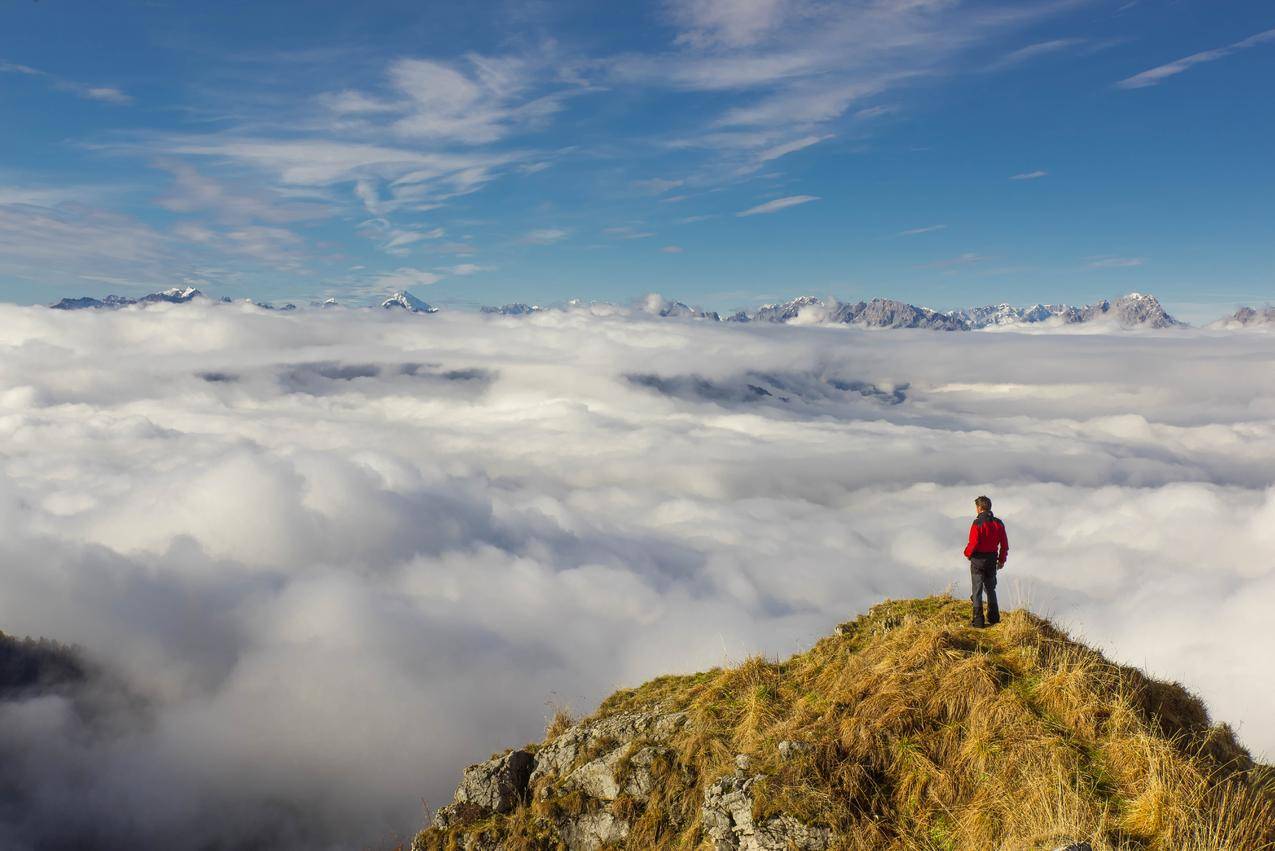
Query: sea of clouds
x=334, y=556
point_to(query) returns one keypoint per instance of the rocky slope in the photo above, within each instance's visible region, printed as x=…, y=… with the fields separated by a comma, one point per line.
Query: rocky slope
x=907, y=729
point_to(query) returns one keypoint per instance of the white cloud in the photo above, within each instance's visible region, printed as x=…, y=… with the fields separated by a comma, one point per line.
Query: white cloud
x=353, y=102
x=544, y=236
x=195, y=192
x=733, y=23
x=50, y=246
x=106, y=94
x=1034, y=51
x=464, y=269
x=778, y=204
x=405, y=277
x=1029, y=175
x=917, y=231
x=657, y=185
x=1160, y=73
x=1115, y=262
x=786, y=148
x=627, y=232
x=672, y=249
x=327, y=547
x=807, y=63
x=964, y=259
x=875, y=111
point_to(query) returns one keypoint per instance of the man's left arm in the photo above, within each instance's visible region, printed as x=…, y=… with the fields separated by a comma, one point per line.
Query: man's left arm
x=1004, y=547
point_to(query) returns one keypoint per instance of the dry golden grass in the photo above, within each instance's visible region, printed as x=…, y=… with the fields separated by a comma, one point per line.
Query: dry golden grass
x=924, y=733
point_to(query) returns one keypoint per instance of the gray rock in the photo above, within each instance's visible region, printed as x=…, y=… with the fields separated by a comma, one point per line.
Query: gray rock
x=788, y=749
x=601, y=778
x=563, y=755
x=495, y=786
x=1075, y=846
x=727, y=816
x=593, y=830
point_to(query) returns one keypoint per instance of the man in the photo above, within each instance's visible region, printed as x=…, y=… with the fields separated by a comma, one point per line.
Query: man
x=986, y=551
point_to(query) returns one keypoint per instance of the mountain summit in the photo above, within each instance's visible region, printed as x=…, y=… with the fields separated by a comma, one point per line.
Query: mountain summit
x=906, y=729
x=405, y=300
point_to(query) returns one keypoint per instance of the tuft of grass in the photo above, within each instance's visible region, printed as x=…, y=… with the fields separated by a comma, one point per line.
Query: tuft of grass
x=923, y=733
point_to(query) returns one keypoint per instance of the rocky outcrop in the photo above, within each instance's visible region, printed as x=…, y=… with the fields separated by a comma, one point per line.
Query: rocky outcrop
x=875, y=738
x=495, y=786
x=592, y=764
x=729, y=825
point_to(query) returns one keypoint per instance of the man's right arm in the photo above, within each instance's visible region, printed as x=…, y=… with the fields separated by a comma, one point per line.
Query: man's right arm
x=1004, y=547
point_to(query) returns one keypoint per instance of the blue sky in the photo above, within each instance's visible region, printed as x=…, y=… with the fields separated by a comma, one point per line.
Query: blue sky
x=723, y=153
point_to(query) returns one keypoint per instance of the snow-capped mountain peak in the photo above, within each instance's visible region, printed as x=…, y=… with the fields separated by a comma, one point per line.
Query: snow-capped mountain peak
x=405, y=300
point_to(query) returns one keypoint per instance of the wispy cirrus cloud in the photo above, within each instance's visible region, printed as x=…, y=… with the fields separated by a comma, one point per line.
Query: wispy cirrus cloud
x=657, y=185
x=1034, y=51
x=544, y=236
x=1160, y=73
x=782, y=150
x=97, y=92
x=777, y=205
x=404, y=277
x=918, y=231
x=1115, y=262
x=1029, y=175
x=627, y=232
x=466, y=269
x=966, y=258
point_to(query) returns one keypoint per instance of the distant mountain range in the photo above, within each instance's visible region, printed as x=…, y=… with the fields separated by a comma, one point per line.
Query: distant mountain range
x=1135, y=310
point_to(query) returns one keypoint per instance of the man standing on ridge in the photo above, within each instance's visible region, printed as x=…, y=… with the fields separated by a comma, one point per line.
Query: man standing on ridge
x=986, y=551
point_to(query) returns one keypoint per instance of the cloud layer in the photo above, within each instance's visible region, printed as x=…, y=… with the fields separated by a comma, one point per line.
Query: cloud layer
x=340, y=554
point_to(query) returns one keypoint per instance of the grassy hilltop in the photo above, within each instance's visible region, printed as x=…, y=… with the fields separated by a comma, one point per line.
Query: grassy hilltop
x=907, y=729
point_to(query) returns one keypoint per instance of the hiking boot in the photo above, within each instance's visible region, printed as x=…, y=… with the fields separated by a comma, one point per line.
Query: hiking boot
x=977, y=624
x=993, y=621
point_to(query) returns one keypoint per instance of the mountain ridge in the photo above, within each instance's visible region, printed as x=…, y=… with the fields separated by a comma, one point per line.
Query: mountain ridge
x=1131, y=311
x=906, y=729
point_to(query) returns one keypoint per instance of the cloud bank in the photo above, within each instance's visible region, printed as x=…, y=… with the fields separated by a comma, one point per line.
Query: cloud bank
x=337, y=555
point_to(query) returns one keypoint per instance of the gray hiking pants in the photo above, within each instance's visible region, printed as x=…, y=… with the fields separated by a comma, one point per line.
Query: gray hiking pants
x=983, y=578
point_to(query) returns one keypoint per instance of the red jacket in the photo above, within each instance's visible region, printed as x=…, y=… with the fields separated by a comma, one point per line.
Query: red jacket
x=987, y=537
